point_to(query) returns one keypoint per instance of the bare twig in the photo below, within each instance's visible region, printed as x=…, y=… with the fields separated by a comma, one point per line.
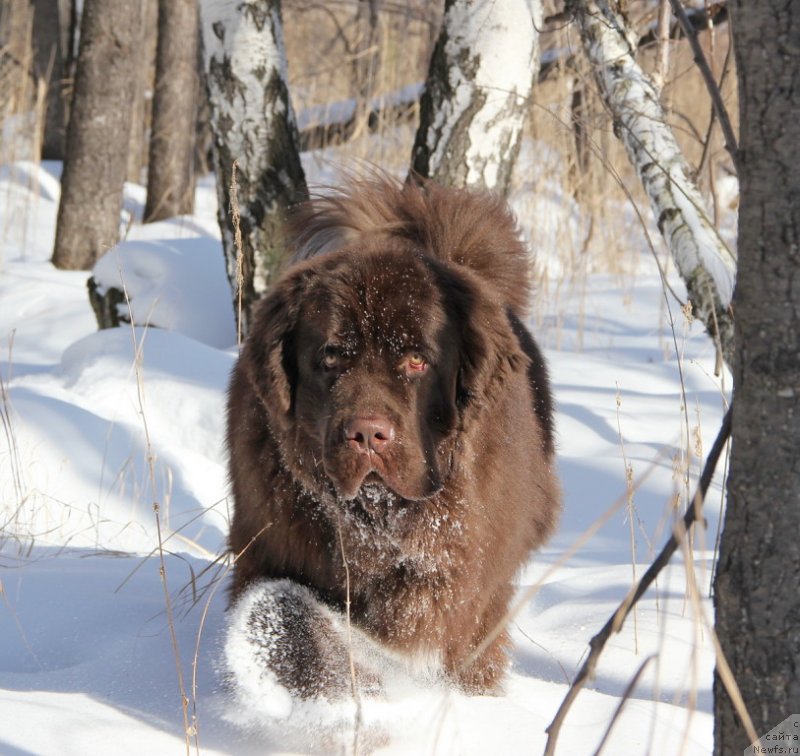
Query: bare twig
x=713, y=117
x=699, y=19
x=614, y=624
x=353, y=683
x=705, y=70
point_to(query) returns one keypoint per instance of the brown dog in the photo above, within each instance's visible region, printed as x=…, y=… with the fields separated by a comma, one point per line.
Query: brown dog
x=390, y=412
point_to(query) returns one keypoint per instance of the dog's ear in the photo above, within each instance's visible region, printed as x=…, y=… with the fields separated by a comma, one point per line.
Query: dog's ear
x=268, y=356
x=488, y=352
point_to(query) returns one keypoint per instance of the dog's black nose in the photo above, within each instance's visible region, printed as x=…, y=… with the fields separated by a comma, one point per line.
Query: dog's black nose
x=371, y=433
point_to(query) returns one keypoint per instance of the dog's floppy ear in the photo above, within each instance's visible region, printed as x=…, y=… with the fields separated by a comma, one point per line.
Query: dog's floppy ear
x=488, y=351
x=268, y=356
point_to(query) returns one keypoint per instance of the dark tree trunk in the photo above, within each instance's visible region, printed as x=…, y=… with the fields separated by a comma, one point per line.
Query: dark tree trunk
x=170, y=174
x=254, y=127
x=757, y=595
x=97, y=137
x=477, y=93
x=52, y=46
x=203, y=136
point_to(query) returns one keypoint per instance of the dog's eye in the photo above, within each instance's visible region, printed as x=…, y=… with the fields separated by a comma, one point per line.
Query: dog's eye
x=415, y=363
x=330, y=358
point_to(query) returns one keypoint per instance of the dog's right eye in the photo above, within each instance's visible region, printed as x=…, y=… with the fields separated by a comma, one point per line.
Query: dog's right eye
x=331, y=358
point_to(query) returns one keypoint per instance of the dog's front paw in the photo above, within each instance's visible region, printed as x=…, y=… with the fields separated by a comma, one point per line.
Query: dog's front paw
x=281, y=635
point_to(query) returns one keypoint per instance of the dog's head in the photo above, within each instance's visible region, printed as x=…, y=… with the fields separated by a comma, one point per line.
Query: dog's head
x=368, y=362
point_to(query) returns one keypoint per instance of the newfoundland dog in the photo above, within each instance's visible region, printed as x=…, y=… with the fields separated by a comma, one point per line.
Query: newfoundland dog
x=391, y=441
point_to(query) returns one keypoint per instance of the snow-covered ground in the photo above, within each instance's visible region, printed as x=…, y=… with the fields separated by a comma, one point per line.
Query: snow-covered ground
x=96, y=426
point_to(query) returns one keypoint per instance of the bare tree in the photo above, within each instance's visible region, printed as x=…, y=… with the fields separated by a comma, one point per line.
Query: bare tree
x=255, y=129
x=756, y=591
x=52, y=58
x=142, y=74
x=706, y=265
x=97, y=137
x=170, y=174
x=477, y=92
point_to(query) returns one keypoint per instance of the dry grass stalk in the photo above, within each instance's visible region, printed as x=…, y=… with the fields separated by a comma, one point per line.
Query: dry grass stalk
x=15, y=460
x=190, y=731
x=631, y=514
x=353, y=681
x=237, y=240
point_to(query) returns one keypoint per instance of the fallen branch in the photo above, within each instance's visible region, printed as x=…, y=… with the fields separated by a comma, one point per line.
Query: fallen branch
x=615, y=622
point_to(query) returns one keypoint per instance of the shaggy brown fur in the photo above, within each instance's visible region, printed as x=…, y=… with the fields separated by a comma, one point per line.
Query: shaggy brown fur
x=389, y=404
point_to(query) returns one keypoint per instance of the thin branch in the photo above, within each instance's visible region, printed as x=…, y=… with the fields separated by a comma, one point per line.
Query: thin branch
x=716, y=96
x=713, y=118
x=615, y=622
x=698, y=18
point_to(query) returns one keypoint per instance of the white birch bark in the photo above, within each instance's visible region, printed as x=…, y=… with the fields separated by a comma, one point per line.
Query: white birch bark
x=703, y=260
x=253, y=125
x=476, y=95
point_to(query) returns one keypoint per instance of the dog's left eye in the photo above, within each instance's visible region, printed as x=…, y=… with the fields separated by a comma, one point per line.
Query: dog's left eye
x=415, y=363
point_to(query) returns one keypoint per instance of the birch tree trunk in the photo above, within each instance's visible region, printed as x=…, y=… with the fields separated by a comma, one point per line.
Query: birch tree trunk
x=706, y=265
x=97, y=137
x=170, y=174
x=477, y=93
x=255, y=128
x=756, y=594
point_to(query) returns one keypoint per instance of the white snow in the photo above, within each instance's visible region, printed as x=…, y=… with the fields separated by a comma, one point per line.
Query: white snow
x=162, y=280
x=96, y=426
